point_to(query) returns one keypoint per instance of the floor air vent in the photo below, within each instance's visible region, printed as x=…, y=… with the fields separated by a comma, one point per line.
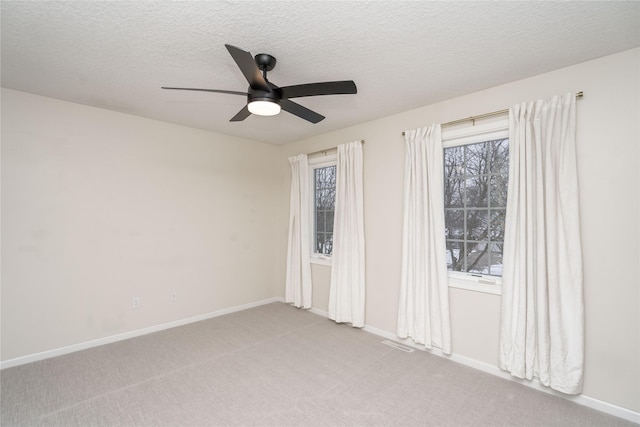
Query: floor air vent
x=398, y=346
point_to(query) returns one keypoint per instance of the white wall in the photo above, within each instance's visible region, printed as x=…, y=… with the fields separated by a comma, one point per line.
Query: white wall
x=608, y=159
x=99, y=207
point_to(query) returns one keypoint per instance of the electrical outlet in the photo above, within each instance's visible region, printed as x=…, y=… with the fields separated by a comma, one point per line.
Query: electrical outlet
x=174, y=296
x=135, y=302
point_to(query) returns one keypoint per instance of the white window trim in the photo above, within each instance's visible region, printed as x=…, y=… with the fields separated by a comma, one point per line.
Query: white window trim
x=320, y=259
x=475, y=282
x=463, y=136
x=315, y=163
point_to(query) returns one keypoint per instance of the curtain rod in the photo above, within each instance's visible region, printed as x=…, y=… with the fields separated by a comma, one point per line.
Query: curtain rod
x=327, y=149
x=482, y=116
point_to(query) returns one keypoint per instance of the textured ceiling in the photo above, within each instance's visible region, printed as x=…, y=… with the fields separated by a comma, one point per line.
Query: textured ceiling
x=401, y=55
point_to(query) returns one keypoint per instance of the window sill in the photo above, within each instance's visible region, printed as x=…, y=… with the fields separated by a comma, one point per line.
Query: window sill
x=477, y=284
x=321, y=260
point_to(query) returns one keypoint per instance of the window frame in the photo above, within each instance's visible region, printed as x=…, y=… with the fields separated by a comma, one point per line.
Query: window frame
x=498, y=129
x=316, y=163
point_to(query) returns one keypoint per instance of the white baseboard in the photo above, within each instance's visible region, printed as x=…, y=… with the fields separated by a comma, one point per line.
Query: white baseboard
x=319, y=312
x=131, y=334
x=580, y=399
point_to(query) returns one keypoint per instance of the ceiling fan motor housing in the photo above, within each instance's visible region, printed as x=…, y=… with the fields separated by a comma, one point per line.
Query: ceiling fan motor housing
x=274, y=95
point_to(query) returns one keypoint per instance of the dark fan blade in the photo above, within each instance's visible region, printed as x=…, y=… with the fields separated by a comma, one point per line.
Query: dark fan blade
x=231, y=92
x=248, y=67
x=242, y=114
x=300, y=111
x=314, y=89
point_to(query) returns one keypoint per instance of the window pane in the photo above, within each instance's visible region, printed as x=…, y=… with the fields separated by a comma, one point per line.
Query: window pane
x=318, y=195
x=478, y=258
x=496, y=259
x=498, y=189
x=476, y=158
x=454, y=223
x=453, y=193
x=330, y=176
x=497, y=225
x=453, y=162
x=500, y=156
x=476, y=192
x=477, y=224
x=319, y=242
x=329, y=221
x=323, y=199
x=320, y=221
x=331, y=197
x=328, y=244
x=455, y=256
x=324, y=243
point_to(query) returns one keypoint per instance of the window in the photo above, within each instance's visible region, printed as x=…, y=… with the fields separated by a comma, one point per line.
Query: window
x=324, y=184
x=476, y=170
x=323, y=180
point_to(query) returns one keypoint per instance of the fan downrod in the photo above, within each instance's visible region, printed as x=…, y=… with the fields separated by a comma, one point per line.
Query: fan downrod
x=265, y=62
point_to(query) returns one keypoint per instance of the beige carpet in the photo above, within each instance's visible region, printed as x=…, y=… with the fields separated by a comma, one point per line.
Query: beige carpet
x=274, y=366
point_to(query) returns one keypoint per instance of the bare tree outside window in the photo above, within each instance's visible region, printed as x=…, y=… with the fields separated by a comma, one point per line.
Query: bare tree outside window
x=475, y=200
x=325, y=201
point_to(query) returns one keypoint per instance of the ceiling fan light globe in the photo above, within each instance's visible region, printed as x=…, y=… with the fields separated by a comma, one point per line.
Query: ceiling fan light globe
x=264, y=108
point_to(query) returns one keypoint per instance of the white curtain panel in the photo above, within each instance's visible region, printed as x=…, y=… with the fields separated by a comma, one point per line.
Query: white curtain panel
x=347, y=289
x=423, y=312
x=542, y=324
x=298, y=278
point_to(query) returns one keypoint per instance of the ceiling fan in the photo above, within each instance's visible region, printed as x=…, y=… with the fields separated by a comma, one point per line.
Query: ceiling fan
x=266, y=99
